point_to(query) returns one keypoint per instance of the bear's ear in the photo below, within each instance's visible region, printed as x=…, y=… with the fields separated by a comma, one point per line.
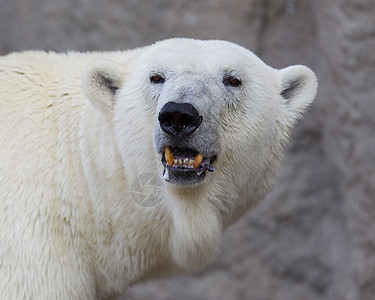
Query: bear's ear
x=100, y=81
x=298, y=88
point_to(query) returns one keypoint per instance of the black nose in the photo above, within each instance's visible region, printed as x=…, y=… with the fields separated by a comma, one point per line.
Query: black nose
x=179, y=118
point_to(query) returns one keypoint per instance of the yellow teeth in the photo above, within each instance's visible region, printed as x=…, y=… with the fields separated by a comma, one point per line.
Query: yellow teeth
x=171, y=161
x=169, y=156
x=197, y=161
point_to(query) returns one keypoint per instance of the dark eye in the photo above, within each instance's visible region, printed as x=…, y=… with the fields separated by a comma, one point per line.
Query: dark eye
x=232, y=81
x=157, y=79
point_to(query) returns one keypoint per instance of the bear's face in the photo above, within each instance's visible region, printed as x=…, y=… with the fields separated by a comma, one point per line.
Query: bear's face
x=203, y=106
x=193, y=89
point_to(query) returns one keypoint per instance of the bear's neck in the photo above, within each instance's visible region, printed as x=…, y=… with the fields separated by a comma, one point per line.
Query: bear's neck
x=197, y=228
x=181, y=233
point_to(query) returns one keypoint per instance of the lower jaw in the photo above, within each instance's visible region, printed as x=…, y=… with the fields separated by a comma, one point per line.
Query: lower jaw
x=183, y=177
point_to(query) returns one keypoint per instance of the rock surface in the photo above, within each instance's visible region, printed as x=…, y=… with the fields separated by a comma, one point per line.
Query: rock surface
x=314, y=236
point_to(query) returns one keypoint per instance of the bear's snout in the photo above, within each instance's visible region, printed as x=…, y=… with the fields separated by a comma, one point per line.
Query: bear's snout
x=179, y=119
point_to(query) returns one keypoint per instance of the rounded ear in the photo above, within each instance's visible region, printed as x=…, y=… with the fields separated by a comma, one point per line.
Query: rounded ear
x=298, y=88
x=100, y=81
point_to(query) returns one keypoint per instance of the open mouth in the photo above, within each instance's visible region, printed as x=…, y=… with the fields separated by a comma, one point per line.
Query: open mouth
x=185, y=165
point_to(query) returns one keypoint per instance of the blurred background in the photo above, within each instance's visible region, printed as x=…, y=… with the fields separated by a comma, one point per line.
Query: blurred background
x=313, y=237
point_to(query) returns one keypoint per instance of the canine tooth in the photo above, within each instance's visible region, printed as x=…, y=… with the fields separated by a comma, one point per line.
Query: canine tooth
x=190, y=162
x=169, y=156
x=197, y=161
x=166, y=174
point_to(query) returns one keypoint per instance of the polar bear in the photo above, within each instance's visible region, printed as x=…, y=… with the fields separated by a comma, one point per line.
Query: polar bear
x=208, y=119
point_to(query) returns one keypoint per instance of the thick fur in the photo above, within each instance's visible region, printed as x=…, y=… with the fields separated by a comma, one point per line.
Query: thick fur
x=77, y=128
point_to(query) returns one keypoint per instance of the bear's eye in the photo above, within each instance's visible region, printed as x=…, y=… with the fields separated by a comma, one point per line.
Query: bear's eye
x=157, y=79
x=232, y=81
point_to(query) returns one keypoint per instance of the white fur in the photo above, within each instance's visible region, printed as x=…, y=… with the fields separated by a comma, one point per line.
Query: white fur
x=69, y=228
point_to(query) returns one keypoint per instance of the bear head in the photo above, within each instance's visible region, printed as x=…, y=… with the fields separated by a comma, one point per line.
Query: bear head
x=200, y=113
